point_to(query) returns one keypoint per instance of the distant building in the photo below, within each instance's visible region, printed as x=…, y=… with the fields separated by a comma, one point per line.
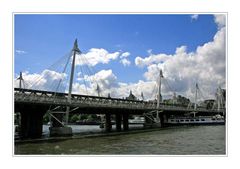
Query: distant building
x=131, y=96
x=177, y=100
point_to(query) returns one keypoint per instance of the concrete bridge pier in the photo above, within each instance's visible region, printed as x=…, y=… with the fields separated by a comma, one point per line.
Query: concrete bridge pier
x=31, y=123
x=108, y=124
x=118, y=122
x=125, y=121
x=57, y=129
x=161, y=116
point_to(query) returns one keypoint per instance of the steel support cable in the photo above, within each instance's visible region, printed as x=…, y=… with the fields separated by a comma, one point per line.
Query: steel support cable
x=153, y=96
x=60, y=81
x=55, y=91
x=83, y=72
x=51, y=68
x=171, y=89
x=61, y=69
x=84, y=81
x=92, y=71
x=37, y=80
x=53, y=85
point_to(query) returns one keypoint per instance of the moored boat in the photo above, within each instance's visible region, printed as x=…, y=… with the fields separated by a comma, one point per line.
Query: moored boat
x=197, y=120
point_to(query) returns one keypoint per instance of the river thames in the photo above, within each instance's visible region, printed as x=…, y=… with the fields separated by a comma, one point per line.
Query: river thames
x=181, y=140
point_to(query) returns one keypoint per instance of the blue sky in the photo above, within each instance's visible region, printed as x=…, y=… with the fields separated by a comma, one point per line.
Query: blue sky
x=41, y=39
x=45, y=38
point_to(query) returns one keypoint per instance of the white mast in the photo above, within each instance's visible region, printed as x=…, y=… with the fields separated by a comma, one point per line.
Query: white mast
x=142, y=96
x=195, y=105
x=98, y=90
x=21, y=81
x=75, y=50
x=159, y=97
x=219, y=98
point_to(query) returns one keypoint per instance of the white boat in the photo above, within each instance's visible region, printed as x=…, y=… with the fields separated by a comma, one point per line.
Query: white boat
x=217, y=119
x=137, y=120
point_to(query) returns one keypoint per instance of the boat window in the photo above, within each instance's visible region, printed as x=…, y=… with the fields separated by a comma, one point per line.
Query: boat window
x=197, y=119
x=213, y=119
x=187, y=120
x=202, y=119
x=172, y=120
x=191, y=120
x=181, y=120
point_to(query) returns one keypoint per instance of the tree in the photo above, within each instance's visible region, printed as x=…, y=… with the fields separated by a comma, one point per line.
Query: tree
x=74, y=118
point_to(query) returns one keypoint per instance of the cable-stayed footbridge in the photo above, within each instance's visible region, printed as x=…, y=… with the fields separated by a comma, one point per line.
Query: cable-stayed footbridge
x=33, y=102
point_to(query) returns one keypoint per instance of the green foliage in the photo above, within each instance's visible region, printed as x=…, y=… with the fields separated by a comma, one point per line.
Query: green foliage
x=73, y=118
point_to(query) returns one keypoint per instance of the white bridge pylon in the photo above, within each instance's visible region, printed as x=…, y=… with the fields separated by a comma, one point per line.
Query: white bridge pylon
x=51, y=113
x=153, y=116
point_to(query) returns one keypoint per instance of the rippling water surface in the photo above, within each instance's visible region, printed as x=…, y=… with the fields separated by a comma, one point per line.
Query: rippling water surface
x=183, y=140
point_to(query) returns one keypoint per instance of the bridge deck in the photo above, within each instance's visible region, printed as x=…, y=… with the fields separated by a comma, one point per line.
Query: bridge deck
x=29, y=96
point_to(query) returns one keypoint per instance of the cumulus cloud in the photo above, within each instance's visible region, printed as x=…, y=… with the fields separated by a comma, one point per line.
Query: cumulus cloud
x=105, y=79
x=125, y=62
x=95, y=56
x=46, y=80
x=124, y=55
x=182, y=70
x=108, y=84
x=220, y=20
x=141, y=62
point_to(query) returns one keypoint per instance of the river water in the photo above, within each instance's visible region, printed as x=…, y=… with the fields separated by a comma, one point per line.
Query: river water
x=181, y=140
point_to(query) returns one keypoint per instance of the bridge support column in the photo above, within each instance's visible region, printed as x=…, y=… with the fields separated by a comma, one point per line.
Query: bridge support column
x=31, y=123
x=125, y=122
x=108, y=124
x=118, y=122
x=162, y=120
x=57, y=129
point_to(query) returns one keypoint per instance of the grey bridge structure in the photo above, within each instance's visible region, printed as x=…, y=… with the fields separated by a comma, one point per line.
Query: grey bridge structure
x=32, y=104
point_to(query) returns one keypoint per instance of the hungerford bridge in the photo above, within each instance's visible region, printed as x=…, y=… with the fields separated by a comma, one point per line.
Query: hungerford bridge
x=33, y=104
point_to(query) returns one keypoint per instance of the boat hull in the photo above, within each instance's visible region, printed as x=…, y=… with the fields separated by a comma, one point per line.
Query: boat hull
x=195, y=121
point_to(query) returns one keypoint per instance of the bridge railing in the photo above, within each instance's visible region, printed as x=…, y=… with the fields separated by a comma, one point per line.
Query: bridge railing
x=52, y=98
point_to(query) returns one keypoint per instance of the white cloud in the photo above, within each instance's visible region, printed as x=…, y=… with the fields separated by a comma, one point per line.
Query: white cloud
x=124, y=55
x=20, y=52
x=220, y=20
x=95, y=56
x=206, y=66
x=139, y=61
x=46, y=80
x=125, y=62
x=194, y=17
x=104, y=78
x=108, y=83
